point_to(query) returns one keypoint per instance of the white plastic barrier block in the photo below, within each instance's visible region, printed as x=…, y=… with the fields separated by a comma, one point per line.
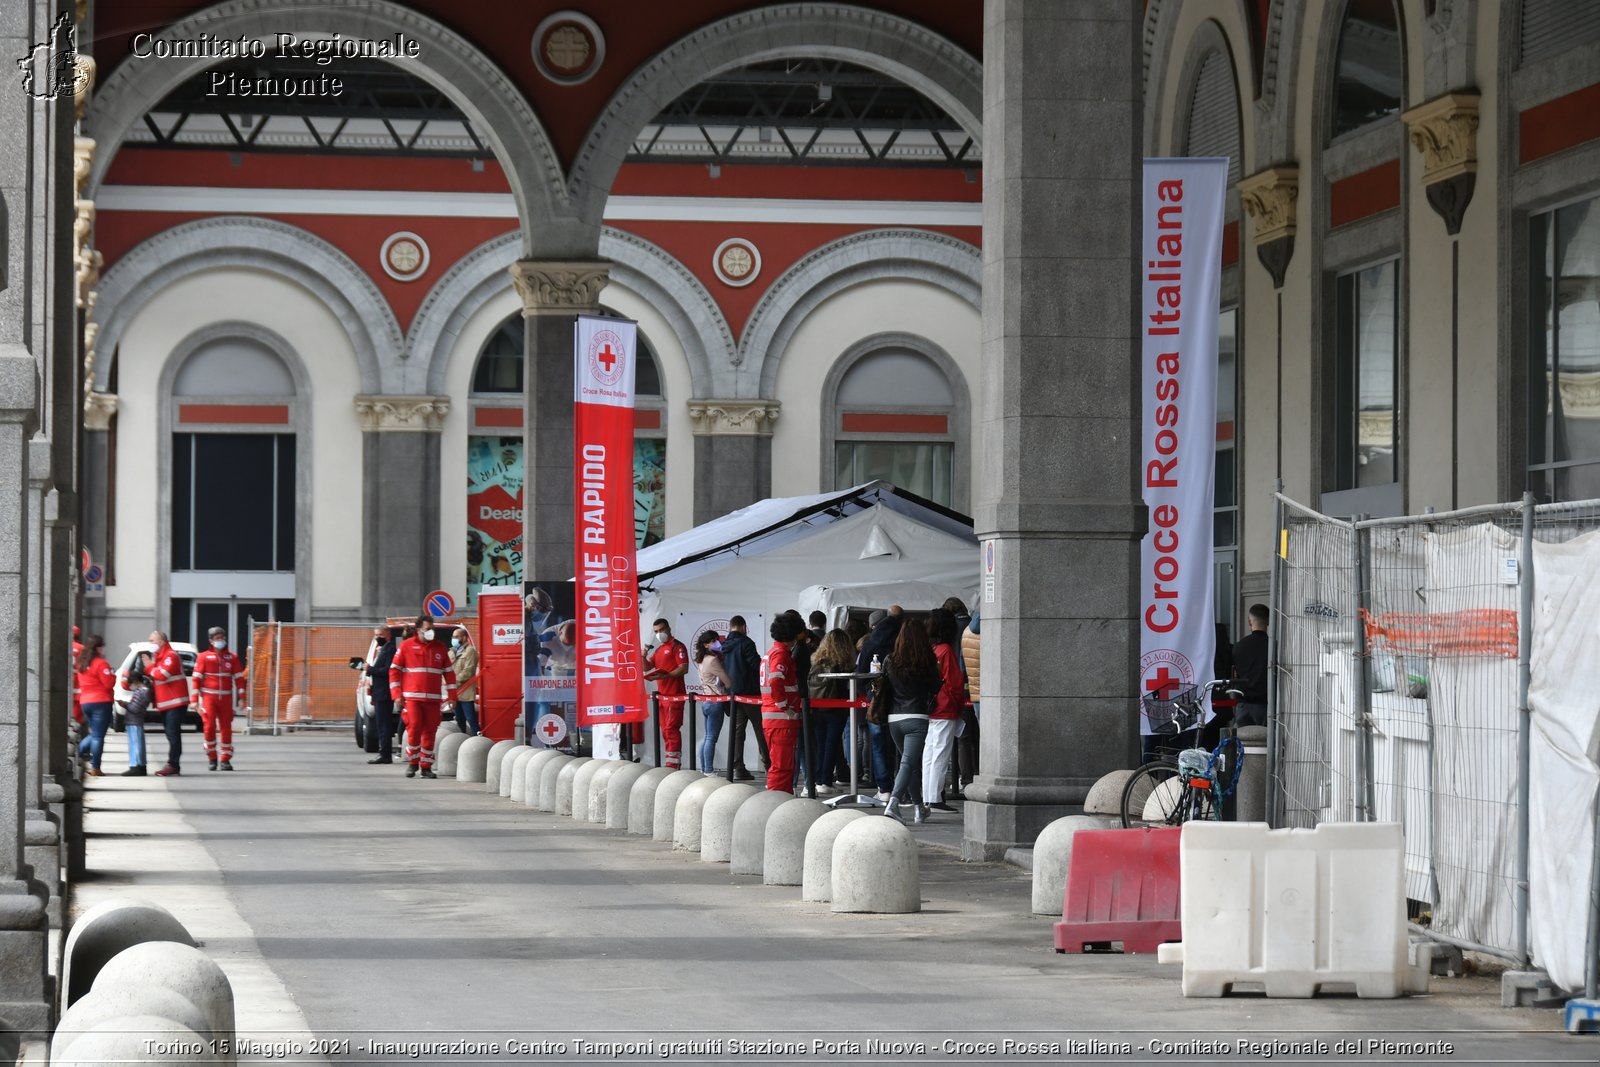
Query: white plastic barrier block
x=1295, y=912
x=619, y=792
x=497, y=758
x=446, y=750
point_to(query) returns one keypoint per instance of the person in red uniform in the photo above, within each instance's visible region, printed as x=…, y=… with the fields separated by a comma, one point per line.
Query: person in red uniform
x=780, y=702
x=171, y=697
x=77, y=696
x=95, y=683
x=219, y=677
x=420, y=680
x=669, y=662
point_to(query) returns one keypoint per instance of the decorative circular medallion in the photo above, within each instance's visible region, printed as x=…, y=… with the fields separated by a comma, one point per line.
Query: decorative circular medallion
x=736, y=261
x=568, y=47
x=404, y=256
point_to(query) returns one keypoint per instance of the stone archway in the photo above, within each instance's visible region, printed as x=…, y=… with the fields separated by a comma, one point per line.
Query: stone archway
x=449, y=62
x=878, y=40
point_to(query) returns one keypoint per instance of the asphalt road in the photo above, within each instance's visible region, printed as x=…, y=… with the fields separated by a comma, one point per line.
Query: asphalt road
x=394, y=910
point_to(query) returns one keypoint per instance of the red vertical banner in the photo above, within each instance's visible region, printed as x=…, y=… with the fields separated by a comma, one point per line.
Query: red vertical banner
x=609, y=662
x=499, y=662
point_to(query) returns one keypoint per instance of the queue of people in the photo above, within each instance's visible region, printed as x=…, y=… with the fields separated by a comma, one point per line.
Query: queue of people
x=414, y=678
x=921, y=732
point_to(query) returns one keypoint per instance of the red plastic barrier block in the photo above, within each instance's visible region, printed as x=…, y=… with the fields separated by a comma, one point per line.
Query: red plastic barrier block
x=1122, y=886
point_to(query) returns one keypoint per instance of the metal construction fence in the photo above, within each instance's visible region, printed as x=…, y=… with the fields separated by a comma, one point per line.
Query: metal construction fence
x=1399, y=689
x=300, y=675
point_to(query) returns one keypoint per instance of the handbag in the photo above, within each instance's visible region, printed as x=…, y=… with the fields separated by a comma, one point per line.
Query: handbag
x=882, y=696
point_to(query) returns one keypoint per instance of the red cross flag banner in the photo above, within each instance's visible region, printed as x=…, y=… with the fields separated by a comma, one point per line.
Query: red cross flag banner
x=610, y=679
x=1182, y=214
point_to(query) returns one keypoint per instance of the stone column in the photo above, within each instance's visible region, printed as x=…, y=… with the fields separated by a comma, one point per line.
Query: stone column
x=1060, y=410
x=42, y=825
x=25, y=994
x=732, y=454
x=553, y=295
x=400, y=522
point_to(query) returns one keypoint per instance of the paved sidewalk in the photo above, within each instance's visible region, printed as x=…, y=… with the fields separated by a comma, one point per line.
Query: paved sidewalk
x=350, y=902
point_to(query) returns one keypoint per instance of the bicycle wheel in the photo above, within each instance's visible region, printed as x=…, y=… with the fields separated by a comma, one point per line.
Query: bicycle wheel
x=1154, y=796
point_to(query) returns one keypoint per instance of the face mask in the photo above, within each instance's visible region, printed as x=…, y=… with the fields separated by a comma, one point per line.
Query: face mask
x=381, y=640
x=455, y=642
x=716, y=646
x=657, y=639
x=219, y=645
x=426, y=635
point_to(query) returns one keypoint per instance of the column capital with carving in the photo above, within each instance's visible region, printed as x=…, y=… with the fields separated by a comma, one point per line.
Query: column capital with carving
x=402, y=414
x=98, y=408
x=1445, y=131
x=82, y=162
x=567, y=287
x=1270, y=198
x=733, y=418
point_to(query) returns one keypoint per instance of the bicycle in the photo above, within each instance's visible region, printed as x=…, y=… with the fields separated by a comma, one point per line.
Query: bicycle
x=1189, y=784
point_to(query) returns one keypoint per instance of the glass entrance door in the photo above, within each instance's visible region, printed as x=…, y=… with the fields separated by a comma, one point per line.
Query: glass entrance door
x=232, y=615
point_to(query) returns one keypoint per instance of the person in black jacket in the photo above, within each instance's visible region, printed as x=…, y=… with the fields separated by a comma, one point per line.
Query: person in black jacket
x=911, y=675
x=879, y=643
x=382, y=702
x=1250, y=669
x=742, y=660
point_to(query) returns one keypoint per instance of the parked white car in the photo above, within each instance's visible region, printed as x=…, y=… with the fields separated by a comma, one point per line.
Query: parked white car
x=186, y=652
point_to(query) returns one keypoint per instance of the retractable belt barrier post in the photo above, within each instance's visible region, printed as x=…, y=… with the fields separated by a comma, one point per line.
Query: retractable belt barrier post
x=655, y=716
x=690, y=754
x=807, y=748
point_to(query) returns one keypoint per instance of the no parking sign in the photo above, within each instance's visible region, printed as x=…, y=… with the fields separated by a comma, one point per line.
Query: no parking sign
x=439, y=604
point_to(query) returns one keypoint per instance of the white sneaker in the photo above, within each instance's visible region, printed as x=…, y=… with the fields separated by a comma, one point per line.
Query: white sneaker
x=882, y=798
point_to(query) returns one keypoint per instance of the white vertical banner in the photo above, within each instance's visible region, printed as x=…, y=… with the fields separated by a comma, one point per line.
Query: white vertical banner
x=1182, y=269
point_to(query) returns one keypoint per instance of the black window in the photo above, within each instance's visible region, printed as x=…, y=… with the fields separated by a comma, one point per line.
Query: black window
x=233, y=506
x=1366, y=430
x=1367, y=75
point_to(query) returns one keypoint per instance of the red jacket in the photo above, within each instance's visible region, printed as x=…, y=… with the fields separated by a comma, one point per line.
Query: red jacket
x=421, y=671
x=952, y=687
x=220, y=676
x=780, y=689
x=171, y=687
x=96, y=683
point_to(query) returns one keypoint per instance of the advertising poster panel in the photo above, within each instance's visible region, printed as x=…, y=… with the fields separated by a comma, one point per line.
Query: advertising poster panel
x=549, y=661
x=494, y=513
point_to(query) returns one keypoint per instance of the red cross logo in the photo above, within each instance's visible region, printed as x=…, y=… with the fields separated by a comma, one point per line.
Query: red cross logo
x=1163, y=683
x=550, y=729
x=608, y=357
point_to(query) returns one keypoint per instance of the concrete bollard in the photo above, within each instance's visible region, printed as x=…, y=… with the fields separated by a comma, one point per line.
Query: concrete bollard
x=105, y=930
x=183, y=969
x=565, y=781
x=816, y=880
x=642, y=800
x=580, y=788
x=108, y=1005
x=783, y=853
x=497, y=762
x=128, y=1039
x=533, y=771
x=619, y=794
x=550, y=781
x=1105, y=796
x=1250, y=803
x=446, y=728
x=512, y=784
x=1052, y=856
x=716, y=820
x=689, y=812
x=663, y=822
x=600, y=789
x=472, y=759
x=446, y=751
x=876, y=868
x=750, y=830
